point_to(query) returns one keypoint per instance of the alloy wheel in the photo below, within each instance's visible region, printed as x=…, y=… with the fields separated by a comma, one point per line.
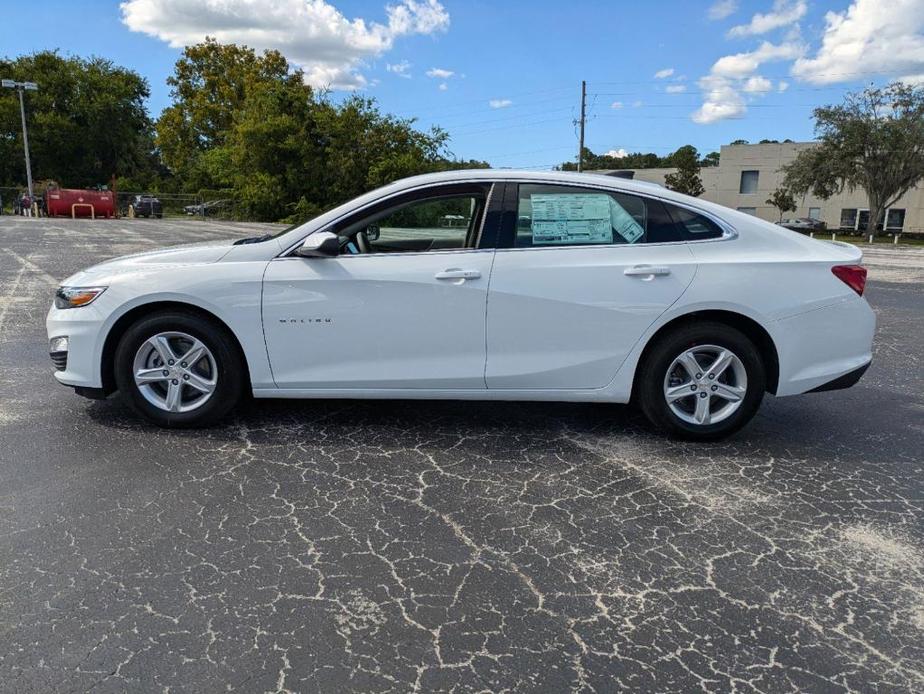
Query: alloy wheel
x=175, y=372
x=705, y=384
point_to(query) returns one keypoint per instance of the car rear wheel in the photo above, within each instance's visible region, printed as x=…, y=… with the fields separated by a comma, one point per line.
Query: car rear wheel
x=701, y=381
x=177, y=370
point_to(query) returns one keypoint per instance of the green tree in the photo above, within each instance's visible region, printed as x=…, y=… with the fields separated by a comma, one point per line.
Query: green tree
x=873, y=141
x=783, y=200
x=210, y=86
x=87, y=121
x=711, y=159
x=249, y=123
x=686, y=180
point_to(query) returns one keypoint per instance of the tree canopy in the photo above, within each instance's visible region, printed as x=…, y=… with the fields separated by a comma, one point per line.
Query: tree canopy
x=249, y=123
x=86, y=122
x=635, y=160
x=686, y=179
x=873, y=141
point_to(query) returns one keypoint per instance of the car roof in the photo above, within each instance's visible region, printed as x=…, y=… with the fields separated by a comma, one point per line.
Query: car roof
x=469, y=175
x=560, y=177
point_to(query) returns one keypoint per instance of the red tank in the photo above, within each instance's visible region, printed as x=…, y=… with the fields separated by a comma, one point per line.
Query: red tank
x=67, y=202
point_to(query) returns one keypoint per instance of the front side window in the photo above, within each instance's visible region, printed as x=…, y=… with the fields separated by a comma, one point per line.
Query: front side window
x=448, y=222
x=552, y=215
x=749, y=182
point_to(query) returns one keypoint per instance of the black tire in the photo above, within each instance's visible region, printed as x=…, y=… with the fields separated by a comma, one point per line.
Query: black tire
x=653, y=371
x=231, y=375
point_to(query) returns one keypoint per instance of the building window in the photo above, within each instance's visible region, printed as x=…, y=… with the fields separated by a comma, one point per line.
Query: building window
x=749, y=182
x=895, y=219
x=815, y=213
x=748, y=210
x=848, y=218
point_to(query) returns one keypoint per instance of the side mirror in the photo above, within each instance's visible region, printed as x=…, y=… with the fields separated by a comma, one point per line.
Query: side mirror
x=321, y=244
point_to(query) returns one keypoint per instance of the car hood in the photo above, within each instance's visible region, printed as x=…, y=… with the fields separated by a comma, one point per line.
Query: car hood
x=191, y=254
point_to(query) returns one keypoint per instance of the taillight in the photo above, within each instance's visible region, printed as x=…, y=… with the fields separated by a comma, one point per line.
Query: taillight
x=854, y=276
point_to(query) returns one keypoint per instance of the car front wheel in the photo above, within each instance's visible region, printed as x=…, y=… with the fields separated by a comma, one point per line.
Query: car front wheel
x=702, y=381
x=178, y=370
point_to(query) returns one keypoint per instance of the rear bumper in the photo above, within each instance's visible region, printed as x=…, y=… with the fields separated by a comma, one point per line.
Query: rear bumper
x=841, y=382
x=823, y=346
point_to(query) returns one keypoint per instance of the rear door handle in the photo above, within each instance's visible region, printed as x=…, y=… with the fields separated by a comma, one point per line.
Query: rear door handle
x=647, y=271
x=457, y=274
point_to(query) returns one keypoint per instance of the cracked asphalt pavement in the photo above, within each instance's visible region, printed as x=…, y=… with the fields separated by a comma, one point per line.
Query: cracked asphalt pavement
x=399, y=546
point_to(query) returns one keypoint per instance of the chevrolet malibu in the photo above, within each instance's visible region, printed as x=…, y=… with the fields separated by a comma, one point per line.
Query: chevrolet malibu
x=481, y=285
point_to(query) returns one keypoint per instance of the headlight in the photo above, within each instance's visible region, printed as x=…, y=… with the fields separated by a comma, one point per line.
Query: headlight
x=72, y=297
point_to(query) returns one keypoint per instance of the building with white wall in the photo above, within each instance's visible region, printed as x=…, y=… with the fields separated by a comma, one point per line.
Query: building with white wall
x=747, y=175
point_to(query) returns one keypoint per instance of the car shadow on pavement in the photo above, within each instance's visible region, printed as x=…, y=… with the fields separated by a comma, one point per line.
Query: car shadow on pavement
x=823, y=428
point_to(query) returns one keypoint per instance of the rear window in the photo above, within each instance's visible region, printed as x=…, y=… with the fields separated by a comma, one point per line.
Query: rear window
x=552, y=215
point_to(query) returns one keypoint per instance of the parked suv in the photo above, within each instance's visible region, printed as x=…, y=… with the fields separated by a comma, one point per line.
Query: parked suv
x=147, y=206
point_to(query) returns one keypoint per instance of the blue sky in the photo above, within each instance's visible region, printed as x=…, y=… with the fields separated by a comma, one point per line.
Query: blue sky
x=660, y=74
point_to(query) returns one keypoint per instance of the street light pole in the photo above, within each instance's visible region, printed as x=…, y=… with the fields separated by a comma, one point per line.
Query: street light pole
x=22, y=87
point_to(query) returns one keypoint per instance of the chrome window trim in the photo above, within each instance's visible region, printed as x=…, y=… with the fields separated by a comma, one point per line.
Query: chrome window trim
x=442, y=184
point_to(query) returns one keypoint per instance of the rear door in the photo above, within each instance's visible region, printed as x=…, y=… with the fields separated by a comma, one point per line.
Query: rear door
x=580, y=275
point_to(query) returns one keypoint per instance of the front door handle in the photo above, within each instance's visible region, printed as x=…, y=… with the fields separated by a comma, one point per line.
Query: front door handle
x=647, y=271
x=457, y=274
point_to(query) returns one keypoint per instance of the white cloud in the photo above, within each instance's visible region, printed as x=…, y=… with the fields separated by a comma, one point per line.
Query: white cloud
x=784, y=13
x=662, y=74
x=617, y=153
x=757, y=85
x=722, y=9
x=721, y=100
x=312, y=34
x=739, y=65
x=440, y=73
x=675, y=88
x=870, y=37
x=616, y=105
x=400, y=69
x=782, y=86
x=733, y=74
x=500, y=103
x=443, y=87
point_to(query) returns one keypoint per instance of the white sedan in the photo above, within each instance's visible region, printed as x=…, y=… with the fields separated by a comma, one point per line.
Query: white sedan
x=487, y=285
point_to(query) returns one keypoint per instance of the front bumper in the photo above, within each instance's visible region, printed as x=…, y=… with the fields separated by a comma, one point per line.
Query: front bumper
x=79, y=366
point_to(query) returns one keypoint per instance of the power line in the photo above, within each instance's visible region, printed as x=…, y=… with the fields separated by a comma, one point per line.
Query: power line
x=580, y=164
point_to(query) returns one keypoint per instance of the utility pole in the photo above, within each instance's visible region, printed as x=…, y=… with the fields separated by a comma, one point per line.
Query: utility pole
x=21, y=87
x=583, y=120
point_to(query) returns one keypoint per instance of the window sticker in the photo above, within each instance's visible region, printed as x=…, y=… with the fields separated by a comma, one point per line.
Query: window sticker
x=624, y=223
x=567, y=219
x=580, y=218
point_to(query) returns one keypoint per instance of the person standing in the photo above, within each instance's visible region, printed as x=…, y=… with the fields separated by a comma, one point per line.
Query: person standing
x=26, y=205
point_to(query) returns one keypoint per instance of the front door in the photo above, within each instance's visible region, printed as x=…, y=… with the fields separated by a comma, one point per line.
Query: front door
x=402, y=306
x=585, y=272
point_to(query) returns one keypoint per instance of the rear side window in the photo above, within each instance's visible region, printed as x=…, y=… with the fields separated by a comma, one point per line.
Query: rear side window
x=551, y=215
x=692, y=225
